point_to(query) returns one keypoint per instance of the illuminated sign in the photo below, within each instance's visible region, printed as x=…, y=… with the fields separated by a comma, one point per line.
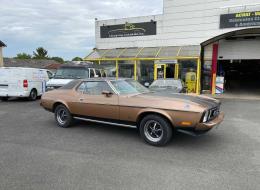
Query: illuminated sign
x=128, y=30
x=236, y=20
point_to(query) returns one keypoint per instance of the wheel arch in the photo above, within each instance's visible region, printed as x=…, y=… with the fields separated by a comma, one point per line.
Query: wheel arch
x=57, y=103
x=160, y=113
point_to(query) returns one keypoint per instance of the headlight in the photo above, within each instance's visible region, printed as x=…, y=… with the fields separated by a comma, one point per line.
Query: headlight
x=205, y=118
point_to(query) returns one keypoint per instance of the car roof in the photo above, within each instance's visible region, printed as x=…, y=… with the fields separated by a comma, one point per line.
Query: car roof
x=84, y=66
x=105, y=79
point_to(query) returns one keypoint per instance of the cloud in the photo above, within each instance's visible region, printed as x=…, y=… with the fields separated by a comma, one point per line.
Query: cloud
x=64, y=27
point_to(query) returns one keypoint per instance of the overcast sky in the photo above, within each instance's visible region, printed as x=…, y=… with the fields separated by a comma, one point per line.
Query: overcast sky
x=64, y=27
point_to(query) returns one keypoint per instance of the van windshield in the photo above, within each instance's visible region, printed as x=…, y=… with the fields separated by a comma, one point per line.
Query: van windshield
x=71, y=73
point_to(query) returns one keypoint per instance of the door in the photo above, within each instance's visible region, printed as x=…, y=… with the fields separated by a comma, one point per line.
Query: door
x=98, y=100
x=160, y=71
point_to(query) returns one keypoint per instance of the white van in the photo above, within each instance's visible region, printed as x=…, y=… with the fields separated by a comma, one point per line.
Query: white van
x=23, y=82
x=67, y=73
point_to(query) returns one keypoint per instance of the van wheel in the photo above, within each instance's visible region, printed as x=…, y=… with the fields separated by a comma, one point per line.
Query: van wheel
x=155, y=130
x=63, y=116
x=33, y=95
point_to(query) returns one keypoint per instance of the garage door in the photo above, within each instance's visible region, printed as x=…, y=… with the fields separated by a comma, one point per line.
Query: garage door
x=239, y=49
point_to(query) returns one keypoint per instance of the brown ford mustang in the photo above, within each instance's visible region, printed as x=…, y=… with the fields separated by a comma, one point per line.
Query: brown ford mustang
x=125, y=102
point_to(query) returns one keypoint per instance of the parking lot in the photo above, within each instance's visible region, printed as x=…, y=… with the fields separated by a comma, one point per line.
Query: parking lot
x=35, y=154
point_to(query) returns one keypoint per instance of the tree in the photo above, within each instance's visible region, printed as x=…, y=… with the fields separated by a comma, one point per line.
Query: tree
x=40, y=53
x=77, y=59
x=23, y=56
x=58, y=59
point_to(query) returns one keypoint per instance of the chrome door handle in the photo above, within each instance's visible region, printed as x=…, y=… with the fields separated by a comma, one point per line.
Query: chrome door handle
x=81, y=99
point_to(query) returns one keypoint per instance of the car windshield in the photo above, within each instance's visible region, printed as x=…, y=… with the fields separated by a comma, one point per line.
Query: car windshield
x=166, y=84
x=71, y=73
x=129, y=87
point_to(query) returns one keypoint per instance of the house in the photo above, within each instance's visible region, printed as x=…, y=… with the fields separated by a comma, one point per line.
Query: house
x=1, y=53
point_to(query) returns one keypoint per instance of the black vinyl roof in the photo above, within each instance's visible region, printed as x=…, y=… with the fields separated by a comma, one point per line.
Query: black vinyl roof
x=2, y=44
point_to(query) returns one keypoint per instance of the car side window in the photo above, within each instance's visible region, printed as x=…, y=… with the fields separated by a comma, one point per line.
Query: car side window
x=92, y=74
x=50, y=75
x=94, y=88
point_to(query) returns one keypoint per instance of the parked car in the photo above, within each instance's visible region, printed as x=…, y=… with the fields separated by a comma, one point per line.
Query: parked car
x=125, y=102
x=167, y=86
x=23, y=82
x=67, y=73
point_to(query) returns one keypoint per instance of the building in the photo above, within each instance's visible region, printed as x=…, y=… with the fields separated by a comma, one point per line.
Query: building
x=219, y=40
x=51, y=65
x=1, y=53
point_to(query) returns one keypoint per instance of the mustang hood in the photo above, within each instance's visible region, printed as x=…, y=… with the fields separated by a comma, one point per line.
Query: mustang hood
x=199, y=100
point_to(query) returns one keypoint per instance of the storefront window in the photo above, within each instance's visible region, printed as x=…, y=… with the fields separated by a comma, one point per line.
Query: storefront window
x=126, y=69
x=109, y=68
x=146, y=72
x=188, y=74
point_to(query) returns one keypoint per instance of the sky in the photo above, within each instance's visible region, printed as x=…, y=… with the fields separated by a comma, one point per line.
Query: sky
x=66, y=28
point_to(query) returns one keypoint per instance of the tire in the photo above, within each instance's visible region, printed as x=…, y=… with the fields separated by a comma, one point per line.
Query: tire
x=33, y=95
x=4, y=99
x=63, y=116
x=155, y=130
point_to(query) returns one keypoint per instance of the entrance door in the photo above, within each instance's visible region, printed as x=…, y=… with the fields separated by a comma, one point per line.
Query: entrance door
x=160, y=71
x=240, y=76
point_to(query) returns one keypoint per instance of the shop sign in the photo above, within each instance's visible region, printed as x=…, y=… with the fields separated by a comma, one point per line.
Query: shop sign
x=166, y=62
x=236, y=20
x=128, y=30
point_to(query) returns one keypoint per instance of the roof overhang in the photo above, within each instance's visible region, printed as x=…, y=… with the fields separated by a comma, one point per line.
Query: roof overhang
x=146, y=53
x=236, y=33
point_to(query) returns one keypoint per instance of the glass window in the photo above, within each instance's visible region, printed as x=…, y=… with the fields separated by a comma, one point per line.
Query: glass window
x=146, y=72
x=129, y=87
x=109, y=68
x=71, y=73
x=94, y=88
x=126, y=69
x=50, y=75
x=98, y=73
x=206, y=84
x=92, y=74
x=188, y=74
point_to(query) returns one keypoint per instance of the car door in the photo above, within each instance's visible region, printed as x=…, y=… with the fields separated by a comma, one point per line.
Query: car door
x=98, y=100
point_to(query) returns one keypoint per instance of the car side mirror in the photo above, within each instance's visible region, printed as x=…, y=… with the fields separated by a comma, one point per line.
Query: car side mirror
x=107, y=93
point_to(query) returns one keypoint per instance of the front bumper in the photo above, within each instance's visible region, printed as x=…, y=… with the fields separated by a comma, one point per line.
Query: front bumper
x=209, y=125
x=203, y=128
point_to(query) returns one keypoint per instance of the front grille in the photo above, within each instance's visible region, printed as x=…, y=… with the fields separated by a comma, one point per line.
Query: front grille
x=213, y=113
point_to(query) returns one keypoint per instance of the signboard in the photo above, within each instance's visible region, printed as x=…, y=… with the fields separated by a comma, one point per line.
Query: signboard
x=166, y=62
x=128, y=30
x=236, y=20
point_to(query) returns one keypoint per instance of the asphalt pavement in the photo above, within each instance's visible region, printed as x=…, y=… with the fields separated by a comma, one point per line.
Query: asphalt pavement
x=36, y=154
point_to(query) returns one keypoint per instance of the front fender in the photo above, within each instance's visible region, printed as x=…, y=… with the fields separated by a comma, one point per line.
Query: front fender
x=155, y=111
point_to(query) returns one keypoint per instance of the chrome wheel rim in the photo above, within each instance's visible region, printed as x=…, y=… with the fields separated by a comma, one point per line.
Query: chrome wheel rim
x=62, y=116
x=153, y=131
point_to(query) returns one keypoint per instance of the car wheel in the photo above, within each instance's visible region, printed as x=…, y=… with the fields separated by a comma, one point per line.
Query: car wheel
x=155, y=130
x=63, y=116
x=33, y=95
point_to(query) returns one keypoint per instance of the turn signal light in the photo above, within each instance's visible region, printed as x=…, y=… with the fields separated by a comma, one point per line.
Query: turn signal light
x=186, y=123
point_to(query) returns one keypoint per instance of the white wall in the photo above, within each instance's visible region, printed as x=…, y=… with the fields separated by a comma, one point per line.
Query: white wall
x=239, y=49
x=184, y=22
x=1, y=57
